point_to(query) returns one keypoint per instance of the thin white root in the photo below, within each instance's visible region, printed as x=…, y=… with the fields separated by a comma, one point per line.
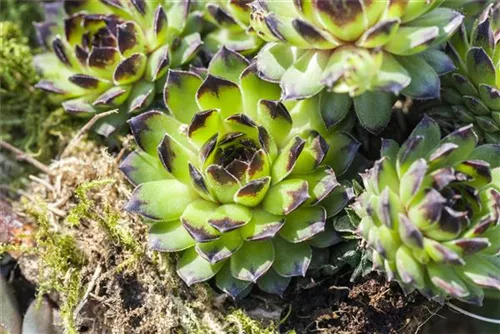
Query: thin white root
x=472, y=315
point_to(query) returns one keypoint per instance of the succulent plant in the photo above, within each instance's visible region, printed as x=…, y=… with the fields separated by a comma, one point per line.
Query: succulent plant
x=474, y=89
x=234, y=180
x=114, y=54
x=231, y=26
x=362, y=52
x=430, y=212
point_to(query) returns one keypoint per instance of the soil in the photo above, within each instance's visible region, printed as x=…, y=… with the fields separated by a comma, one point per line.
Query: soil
x=370, y=305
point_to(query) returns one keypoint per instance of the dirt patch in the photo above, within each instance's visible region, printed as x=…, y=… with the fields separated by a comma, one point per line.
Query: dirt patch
x=370, y=306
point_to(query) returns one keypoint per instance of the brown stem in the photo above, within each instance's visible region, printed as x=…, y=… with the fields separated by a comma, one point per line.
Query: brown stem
x=84, y=130
x=20, y=155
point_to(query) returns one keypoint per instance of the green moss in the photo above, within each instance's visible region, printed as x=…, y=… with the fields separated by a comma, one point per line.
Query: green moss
x=28, y=121
x=17, y=77
x=240, y=322
x=60, y=262
x=108, y=219
x=22, y=13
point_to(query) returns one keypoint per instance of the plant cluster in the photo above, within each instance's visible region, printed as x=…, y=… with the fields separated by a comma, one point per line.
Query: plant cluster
x=244, y=114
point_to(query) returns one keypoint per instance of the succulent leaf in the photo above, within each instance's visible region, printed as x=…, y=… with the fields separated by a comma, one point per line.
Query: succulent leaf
x=169, y=237
x=250, y=268
x=193, y=268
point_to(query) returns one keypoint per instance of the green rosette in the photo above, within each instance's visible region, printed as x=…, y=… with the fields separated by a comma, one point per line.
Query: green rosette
x=358, y=53
x=473, y=90
x=104, y=55
x=430, y=212
x=239, y=184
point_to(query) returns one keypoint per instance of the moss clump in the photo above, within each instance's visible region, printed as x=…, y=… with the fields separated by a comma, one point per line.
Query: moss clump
x=60, y=261
x=17, y=77
x=23, y=13
x=240, y=322
x=28, y=120
x=92, y=258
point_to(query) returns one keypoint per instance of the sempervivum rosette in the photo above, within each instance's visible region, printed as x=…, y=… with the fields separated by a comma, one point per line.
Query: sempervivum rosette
x=231, y=26
x=110, y=54
x=231, y=179
x=431, y=213
x=363, y=52
x=474, y=89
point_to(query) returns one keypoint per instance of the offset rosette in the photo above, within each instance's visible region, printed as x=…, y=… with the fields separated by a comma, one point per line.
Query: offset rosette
x=112, y=54
x=231, y=180
x=431, y=212
x=362, y=52
x=473, y=90
x=230, y=20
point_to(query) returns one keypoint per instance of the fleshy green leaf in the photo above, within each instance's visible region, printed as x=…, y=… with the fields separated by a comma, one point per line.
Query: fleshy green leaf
x=169, y=237
x=204, y=126
x=275, y=118
x=253, y=192
x=250, y=268
x=186, y=50
x=149, y=129
x=180, y=90
x=222, y=183
x=373, y=110
x=192, y=268
x=254, y=89
x=263, y=225
x=291, y=259
x=321, y=183
x=271, y=282
x=342, y=151
x=303, y=223
x=336, y=201
x=220, y=249
x=274, y=59
x=227, y=64
x=489, y=153
x=425, y=83
x=176, y=158
x=148, y=200
x=334, y=107
x=286, y=196
x=327, y=238
x=422, y=140
x=287, y=157
x=141, y=96
x=130, y=69
x=219, y=93
x=140, y=167
x=195, y=220
x=228, y=217
x=230, y=285
x=302, y=80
